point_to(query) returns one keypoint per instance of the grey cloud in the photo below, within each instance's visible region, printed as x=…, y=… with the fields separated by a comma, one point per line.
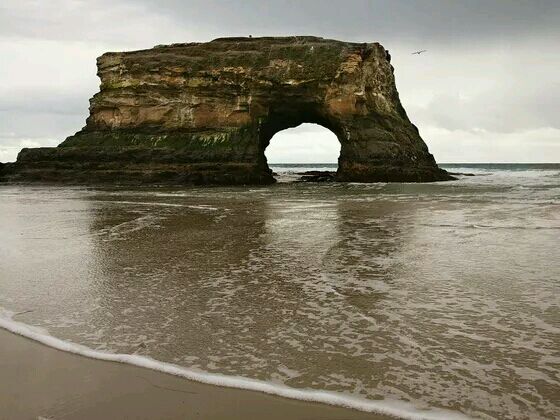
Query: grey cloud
x=29, y=125
x=498, y=111
x=386, y=21
x=39, y=113
x=121, y=24
x=420, y=20
x=471, y=41
x=44, y=101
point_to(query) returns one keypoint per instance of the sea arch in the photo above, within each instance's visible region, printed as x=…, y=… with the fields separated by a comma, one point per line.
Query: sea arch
x=205, y=112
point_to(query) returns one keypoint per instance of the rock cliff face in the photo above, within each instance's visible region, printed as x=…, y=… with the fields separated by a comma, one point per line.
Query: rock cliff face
x=205, y=112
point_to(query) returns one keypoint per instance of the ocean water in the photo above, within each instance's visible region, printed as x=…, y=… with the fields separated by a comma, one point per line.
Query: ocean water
x=434, y=300
x=290, y=172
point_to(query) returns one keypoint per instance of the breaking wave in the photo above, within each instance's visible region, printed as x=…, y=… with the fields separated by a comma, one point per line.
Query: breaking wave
x=392, y=408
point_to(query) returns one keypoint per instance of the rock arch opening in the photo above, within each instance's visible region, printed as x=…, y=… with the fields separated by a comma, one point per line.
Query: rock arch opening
x=307, y=147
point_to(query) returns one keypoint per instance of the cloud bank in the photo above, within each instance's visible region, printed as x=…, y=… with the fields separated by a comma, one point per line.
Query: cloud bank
x=485, y=91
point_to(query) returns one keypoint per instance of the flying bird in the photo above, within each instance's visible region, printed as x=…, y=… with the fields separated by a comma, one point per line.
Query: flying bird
x=419, y=52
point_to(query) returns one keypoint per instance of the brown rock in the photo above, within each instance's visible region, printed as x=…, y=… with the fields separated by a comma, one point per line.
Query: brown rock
x=205, y=112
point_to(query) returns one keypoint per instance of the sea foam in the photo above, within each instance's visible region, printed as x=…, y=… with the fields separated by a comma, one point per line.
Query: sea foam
x=390, y=407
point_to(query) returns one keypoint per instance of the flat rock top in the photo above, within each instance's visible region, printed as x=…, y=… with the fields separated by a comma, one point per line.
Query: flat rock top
x=250, y=44
x=296, y=57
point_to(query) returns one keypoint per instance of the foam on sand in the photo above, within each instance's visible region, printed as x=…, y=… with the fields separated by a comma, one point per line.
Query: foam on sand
x=390, y=407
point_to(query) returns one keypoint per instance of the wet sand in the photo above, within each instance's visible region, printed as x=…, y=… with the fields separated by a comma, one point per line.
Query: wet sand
x=40, y=382
x=439, y=299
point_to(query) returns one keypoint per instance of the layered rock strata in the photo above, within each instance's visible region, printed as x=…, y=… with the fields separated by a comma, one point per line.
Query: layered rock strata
x=204, y=113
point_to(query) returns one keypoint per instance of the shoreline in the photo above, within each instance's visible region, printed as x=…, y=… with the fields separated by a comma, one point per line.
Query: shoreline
x=39, y=381
x=372, y=409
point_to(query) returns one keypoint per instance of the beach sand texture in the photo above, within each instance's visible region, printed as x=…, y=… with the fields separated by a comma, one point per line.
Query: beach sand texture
x=39, y=382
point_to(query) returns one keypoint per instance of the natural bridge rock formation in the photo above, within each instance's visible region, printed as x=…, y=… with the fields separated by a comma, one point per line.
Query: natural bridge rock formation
x=205, y=112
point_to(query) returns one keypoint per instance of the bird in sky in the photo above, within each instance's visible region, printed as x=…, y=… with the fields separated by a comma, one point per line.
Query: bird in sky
x=419, y=52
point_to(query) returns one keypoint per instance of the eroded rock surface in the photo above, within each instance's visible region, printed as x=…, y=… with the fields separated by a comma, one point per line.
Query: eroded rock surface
x=205, y=112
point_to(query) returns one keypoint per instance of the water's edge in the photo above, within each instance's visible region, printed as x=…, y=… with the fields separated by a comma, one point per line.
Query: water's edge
x=394, y=408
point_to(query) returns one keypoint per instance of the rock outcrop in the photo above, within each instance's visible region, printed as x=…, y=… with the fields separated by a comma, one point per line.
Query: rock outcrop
x=205, y=112
x=317, y=176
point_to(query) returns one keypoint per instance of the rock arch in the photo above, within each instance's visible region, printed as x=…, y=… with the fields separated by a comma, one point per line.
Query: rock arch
x=205, y=112
x=305, y=139
x=282, y=119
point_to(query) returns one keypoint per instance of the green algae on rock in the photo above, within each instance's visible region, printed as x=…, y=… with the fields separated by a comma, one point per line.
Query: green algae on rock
x=204, y=113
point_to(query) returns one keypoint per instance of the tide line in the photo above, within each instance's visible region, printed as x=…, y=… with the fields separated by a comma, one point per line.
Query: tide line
x=394, y=408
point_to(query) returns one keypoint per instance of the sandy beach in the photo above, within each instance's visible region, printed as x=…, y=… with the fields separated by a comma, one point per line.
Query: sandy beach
x=366, y=296
x=39, y=382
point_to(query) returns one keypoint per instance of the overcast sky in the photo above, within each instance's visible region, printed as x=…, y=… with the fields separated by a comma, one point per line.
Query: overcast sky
x=487, y=90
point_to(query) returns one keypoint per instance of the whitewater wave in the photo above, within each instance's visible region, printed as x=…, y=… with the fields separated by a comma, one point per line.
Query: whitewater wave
x=389, y=407
x=481, y=226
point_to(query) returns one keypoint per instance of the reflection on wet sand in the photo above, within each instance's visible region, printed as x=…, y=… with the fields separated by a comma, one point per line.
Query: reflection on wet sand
x=374, y=291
